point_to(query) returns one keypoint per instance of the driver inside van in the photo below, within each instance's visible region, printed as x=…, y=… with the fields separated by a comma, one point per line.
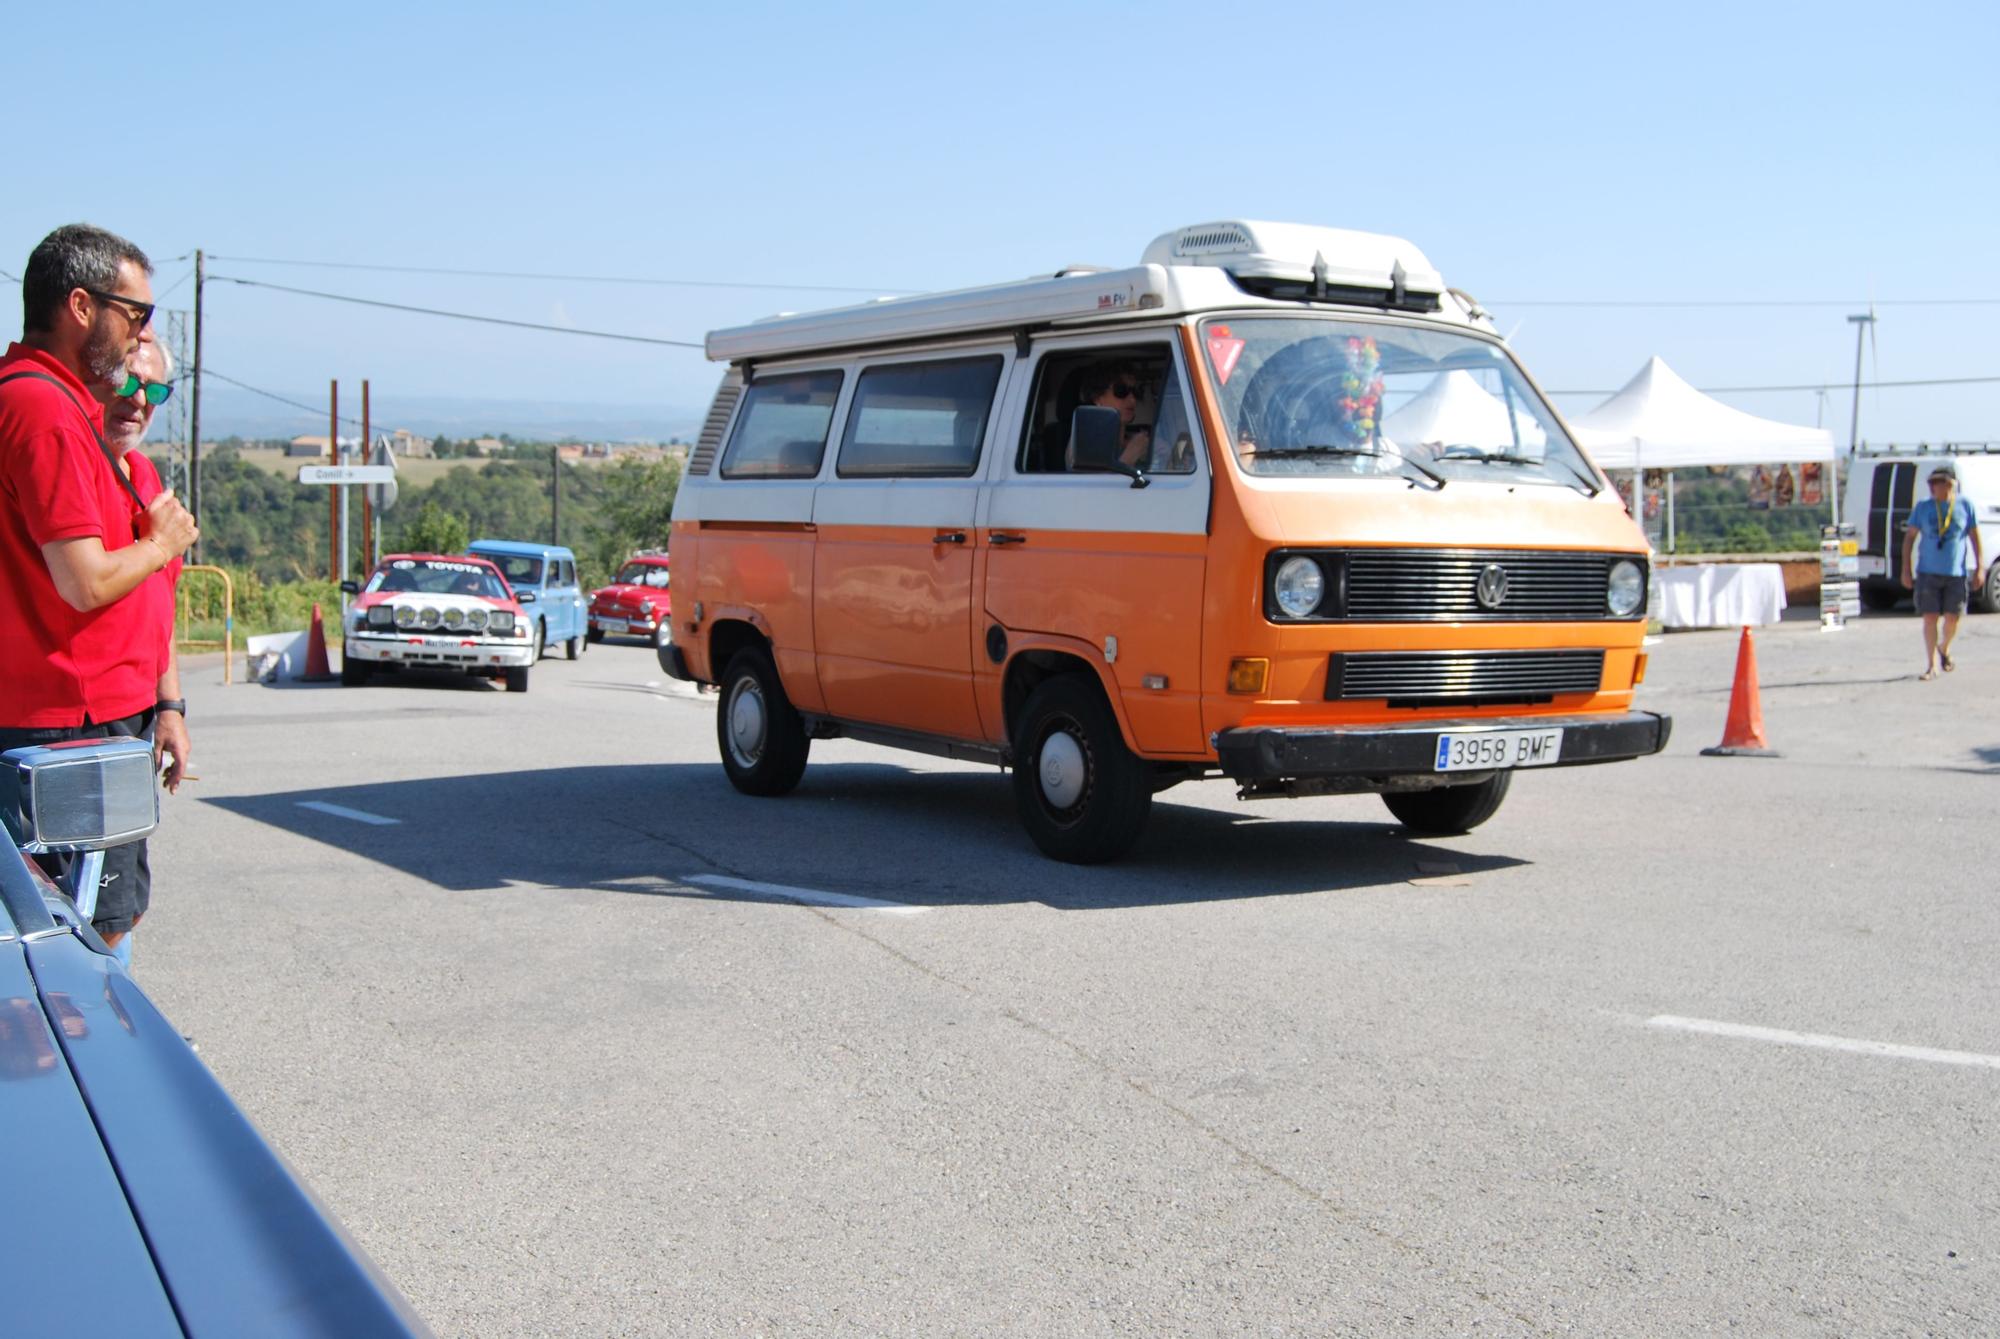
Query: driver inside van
x=1119, y=386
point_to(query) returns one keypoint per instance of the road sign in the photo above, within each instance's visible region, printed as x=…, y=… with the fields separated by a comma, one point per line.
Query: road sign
x=347, y=474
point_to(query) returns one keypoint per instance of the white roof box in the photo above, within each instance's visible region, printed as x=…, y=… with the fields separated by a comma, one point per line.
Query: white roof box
x=1296, y=260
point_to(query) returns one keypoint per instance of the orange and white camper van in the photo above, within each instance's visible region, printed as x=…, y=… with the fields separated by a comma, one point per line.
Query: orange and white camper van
x=1274, y=503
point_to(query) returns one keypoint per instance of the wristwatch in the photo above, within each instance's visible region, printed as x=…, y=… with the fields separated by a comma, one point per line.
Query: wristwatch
x=171, y=704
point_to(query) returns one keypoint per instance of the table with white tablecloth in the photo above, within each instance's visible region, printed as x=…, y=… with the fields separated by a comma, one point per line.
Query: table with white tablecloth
x=1721, y=595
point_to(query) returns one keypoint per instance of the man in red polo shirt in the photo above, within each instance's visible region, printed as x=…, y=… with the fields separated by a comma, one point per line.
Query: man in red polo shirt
x=81, y=655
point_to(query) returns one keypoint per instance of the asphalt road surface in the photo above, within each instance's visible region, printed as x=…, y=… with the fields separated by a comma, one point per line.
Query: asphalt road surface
x=560, y=1059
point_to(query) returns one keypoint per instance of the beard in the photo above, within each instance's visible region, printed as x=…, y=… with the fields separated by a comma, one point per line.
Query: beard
x=104, y=354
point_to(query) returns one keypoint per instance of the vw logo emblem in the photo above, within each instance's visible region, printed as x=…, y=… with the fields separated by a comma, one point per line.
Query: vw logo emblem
x=1491, y=591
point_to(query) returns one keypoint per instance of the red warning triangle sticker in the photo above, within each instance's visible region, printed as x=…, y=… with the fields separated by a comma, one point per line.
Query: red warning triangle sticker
x=1223, y=351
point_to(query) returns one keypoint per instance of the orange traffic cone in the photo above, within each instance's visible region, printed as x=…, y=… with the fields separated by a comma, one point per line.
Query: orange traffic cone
x=1743, y=733
x=317, y=670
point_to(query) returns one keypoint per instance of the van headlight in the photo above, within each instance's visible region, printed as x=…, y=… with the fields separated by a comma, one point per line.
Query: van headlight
x=1627, y=590
x=1298, y=587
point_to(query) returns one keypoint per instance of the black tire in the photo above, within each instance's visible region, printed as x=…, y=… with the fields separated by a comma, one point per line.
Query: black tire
x=663, y=647
x=354, y=673
x=1449, y=810
x=517, y=679
x=1880, y=596
x=758, y=732
x=1081, y=794
x=541, y=642
x=573, y=648
x=596, y=634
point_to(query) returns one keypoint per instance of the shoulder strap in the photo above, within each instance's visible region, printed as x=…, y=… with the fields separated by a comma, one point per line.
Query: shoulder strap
x=102, y=445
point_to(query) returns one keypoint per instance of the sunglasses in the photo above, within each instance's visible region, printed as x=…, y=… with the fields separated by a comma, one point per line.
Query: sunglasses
x=1122, y=390
x=156, y=391
x=140, y=314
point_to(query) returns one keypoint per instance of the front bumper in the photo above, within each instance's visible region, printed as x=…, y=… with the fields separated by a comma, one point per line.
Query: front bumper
x=441, y=651
x=633, y=625
x=1275, y=753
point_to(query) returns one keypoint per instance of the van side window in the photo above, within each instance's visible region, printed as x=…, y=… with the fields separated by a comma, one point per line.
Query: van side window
x=782, y=427
x=1160, y=437
x=923, y=420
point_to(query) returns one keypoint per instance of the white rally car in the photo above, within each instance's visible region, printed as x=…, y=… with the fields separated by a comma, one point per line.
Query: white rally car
x=437, y=612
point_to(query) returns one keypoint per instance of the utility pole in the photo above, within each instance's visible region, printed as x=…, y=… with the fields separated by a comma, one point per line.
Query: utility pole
x=1861, y=326
x=333, y=493
x=194, y=411
x=367, y=510
x=555, y=504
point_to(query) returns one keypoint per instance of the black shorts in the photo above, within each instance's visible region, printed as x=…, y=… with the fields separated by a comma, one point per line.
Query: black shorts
x=1940, y=594
x=128, y=877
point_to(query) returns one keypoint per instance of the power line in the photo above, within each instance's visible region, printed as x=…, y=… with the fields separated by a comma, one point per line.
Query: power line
x=456, y=316
x=1819, y=386
x=564, y=278
x=241, y=385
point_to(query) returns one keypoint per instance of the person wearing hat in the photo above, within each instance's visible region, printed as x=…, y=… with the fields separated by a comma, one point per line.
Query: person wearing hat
x=1936, y=539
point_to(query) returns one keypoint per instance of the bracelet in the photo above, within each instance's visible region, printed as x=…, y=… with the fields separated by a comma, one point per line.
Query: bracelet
x=171, y=704
x=166, y=559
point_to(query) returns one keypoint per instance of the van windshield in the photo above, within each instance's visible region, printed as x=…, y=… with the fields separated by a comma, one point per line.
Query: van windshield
x=1306, y=396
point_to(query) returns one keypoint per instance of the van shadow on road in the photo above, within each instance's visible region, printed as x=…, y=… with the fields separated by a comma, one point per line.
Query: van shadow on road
x=870, y=829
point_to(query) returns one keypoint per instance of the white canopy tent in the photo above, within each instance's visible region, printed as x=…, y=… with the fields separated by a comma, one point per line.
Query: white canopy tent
x=1659, y=422
x=1455, y=408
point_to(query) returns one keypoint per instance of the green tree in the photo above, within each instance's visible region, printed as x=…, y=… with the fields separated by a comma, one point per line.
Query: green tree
x=434, y=530
x=636, y=512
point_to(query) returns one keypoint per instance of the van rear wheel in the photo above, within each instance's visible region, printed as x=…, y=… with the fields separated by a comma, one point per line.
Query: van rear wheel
x=1081, y=794
x=762, y=740
x=1449, y=810
x=1986, y=595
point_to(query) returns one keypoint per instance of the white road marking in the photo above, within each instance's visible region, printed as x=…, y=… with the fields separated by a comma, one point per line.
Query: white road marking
x=811, y=897
x=1856, y=1045
x=342, y=811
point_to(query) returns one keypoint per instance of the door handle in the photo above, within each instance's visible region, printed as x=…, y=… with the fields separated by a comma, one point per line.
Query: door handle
x=949, y=537
x=1002, y=537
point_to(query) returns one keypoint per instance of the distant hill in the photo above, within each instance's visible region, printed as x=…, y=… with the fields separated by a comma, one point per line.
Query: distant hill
x=228, y=412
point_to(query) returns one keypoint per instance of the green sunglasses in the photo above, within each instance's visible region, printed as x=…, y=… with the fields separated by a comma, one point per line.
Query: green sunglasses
x=156, y=391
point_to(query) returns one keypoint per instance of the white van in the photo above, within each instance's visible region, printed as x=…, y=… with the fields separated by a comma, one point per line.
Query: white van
x=1881, y=490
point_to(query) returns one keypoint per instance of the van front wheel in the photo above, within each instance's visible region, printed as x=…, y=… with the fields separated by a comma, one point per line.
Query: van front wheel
x=762, y=739
x=1081, y=794
x=1449, y=809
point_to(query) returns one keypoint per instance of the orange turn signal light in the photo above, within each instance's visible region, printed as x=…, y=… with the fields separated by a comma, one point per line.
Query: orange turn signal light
x=1248, y=674
x=1639, y=670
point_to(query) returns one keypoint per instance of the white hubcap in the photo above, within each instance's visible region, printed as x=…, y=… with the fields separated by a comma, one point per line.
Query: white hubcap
x=746, y=724
x=1061, y=770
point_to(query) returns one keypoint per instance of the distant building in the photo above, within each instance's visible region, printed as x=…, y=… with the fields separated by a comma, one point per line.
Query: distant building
x=488, y=446
x=408, y=446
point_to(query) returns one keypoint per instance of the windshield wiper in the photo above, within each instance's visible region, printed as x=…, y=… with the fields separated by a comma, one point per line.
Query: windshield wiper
x=1323, y=449
x=1589, y=486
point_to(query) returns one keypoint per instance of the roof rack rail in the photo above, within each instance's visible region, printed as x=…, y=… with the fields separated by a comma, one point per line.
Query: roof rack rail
x=1928, y=449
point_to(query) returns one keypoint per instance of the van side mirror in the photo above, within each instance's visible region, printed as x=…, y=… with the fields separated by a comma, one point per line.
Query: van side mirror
x=351, y=587
x=1096, y=436
x=524, y=597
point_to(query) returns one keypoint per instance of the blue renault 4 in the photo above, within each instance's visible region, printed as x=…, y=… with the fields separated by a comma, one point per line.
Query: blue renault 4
x=544, y=580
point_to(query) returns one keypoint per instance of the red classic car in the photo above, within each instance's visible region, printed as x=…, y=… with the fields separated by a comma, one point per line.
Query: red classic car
x=636, y=603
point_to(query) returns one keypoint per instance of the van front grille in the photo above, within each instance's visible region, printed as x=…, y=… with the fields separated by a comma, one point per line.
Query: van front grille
x=1439, y=678
x=1442, y=585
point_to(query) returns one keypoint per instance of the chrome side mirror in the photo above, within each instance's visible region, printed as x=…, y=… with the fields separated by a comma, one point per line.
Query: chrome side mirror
x=78, y=795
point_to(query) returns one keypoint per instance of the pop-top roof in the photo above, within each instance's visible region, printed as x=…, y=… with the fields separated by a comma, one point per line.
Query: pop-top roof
x=1206, y=266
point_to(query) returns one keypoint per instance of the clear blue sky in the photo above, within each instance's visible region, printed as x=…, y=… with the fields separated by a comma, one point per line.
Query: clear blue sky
x=1535, y=152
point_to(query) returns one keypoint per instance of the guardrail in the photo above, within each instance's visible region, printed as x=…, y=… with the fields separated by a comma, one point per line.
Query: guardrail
x=228, y=642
